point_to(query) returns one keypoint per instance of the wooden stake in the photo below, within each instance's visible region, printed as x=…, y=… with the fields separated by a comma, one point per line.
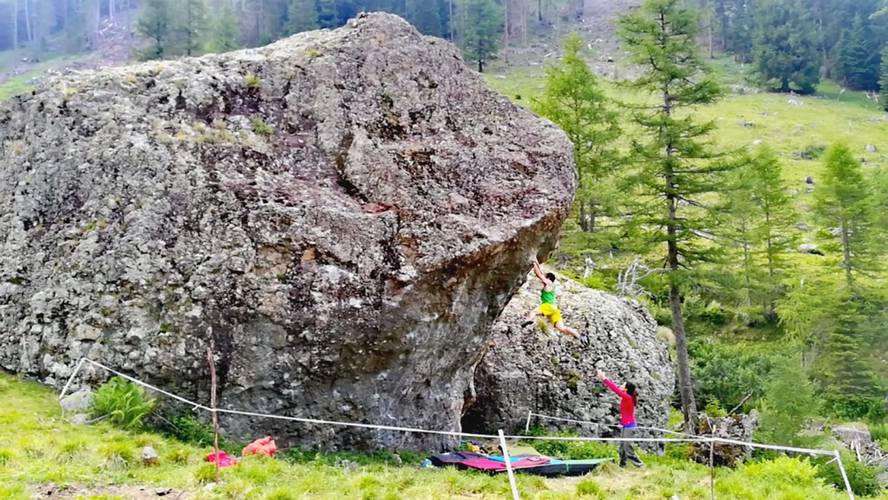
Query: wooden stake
x=212, y=363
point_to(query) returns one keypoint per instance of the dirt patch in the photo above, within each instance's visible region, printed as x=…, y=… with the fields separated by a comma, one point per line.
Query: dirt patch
x=128, y=492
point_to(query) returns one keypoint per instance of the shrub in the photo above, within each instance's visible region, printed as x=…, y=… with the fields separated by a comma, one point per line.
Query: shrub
x=862, y=478
x=6, y=456
x=262, y=128
x=575, y=450
x=206, y=473
x=122, y=403
x=117, y=454
x=189, y=429
x=728, y=373
x=848, y=407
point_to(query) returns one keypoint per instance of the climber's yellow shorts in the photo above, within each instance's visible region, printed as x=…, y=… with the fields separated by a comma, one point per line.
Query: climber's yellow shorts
x=551, y=312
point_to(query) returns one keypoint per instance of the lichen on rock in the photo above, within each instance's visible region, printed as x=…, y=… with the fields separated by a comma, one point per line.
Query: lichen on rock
x=344, y=213
x=537, y=370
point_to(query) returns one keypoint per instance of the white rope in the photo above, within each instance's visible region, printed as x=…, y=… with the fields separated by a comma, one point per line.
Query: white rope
x=598, y=424
x=689, y=439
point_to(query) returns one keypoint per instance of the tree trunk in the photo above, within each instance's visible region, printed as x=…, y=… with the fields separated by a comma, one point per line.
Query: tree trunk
x=14, y=24
x=480, y=65
x=540, y=10
x=507, y=26
x=111, y=10
x=685, y=385
x=93, y=16
x=711, y=52
x=28, y=32
x=846, y=255
x=450, y=23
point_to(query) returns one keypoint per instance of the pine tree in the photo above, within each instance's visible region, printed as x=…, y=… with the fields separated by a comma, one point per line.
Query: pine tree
x=301, y=16
x=674, y=163
x=425, y=16
x=883, y=82
x=191, y=28
x=480, y=33
x=849, y=385
x=573, y=100
x=843, y=202
x=859, y=58
x=788, y=403
x=785, y=48
x=155, y=24
x=226, y=35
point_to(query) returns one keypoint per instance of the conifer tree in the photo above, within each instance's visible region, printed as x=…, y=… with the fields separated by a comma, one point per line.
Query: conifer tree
x=425, y=16
x=843, y=202
x=480, y=33
x=774, y=231
x=226, y=33
x=785, y=46
x=191, y=28
x=155, y=24
x=301, y=16
x=883, y=82
x=859, y=58
x=573, y=100
x=673, y=160
x=788, y=402
x=849, y=385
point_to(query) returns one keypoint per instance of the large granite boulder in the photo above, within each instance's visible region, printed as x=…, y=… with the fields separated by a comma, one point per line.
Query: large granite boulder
x=344, y=213
x=532, y=370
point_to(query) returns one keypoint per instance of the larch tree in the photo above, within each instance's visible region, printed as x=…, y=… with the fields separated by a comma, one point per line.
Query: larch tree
x=883, y=81
x=674, y=166
x=191, y=30
x=301, y=16
x=481, y=30
x=843, y=203
x=155, y=24
x=226, y=33
x=573, y=99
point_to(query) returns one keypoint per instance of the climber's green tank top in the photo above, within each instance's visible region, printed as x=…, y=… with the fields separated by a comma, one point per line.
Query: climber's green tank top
x=548, y=297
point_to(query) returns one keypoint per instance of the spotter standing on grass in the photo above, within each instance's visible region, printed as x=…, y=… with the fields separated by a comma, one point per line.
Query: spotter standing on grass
x=548, y=303
x=628, y=400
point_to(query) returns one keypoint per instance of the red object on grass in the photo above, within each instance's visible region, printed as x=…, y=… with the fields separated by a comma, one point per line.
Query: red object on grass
x=263, y=446
x=224, y=459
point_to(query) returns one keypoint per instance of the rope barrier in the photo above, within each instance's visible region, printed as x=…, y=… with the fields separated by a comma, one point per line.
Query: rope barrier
x=598, y=424
x=500, y=436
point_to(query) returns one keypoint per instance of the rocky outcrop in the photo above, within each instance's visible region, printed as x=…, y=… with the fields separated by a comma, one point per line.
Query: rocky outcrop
x=738, y=427
x=532, y=370
x=344, y=213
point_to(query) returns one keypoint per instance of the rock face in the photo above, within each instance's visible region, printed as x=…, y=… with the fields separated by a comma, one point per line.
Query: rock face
x=528, y=370
x=344, y=213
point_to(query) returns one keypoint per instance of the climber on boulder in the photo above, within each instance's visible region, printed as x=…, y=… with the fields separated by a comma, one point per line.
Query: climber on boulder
x=548, y=303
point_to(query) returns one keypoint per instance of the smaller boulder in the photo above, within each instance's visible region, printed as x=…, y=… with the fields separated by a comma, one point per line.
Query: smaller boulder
x=803, y=227
x=77, y=402
x=149, y=456
x=735, y=427
x=809, y=180
x=810, y=248
x=870, y=148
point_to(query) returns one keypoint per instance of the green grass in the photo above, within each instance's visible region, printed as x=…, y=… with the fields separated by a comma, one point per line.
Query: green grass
x=37, y=447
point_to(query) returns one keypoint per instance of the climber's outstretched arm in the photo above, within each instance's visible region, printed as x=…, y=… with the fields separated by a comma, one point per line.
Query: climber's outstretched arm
x=538, y=271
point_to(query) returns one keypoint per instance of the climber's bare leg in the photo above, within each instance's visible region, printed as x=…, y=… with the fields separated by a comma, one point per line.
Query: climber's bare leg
x=531, y=317
x=566, y=330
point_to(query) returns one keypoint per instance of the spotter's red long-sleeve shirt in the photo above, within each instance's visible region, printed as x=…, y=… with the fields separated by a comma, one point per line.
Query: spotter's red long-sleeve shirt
x=627, y=404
